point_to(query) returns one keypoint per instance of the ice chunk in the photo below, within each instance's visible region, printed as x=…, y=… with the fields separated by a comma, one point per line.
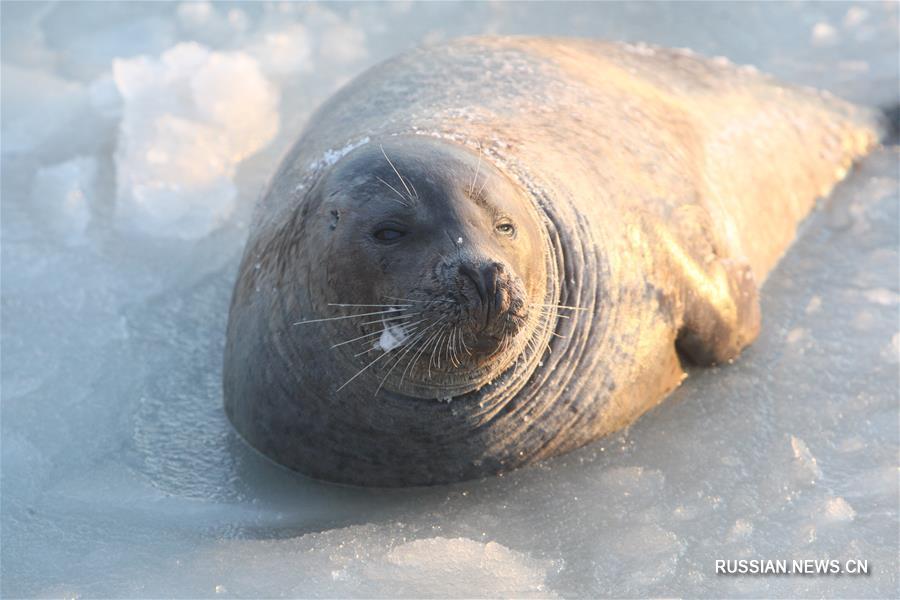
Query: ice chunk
x=109, y=31
x=37, y=108
x=823, y=34
x=741, y=529
x=855, y=15
x=23, y=40
x=284, y=52
x=651, y=553
x=195, y=14
x=105, y=98
x=189, y=117
x=62, y=195
x=815, y=303
x=805, y=463
x=882, y=296
x=837, y=510
x=343, y=42
x=203, y=23
x=463, y=567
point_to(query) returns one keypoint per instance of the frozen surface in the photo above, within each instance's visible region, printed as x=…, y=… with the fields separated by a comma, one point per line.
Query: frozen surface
x=120, y=475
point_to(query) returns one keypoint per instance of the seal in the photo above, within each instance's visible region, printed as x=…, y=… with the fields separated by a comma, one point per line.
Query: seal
x=489, y=252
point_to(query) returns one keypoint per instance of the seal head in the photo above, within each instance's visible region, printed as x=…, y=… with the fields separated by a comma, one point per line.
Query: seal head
x=435, y=272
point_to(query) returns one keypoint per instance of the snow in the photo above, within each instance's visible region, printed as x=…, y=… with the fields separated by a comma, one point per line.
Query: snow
x=391, y=337
x=136, y=138
x=332, y=156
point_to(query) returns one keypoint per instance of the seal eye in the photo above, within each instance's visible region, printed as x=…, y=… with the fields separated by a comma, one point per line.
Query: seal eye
x=506, y=228
x=388, y=235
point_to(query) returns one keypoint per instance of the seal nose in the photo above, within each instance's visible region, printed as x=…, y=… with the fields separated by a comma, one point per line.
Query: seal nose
x=485, y=280
x=475, y=277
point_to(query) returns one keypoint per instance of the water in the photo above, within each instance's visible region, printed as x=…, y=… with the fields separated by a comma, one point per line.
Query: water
x=128, y=176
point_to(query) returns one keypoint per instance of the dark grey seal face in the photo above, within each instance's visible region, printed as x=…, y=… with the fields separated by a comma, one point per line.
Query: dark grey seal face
x=440, y=258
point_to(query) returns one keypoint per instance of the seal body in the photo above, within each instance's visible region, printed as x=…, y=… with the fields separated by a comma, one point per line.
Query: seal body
x=489, y=252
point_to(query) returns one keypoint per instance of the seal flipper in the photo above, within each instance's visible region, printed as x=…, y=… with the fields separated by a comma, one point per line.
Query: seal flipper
x=717, y=312
x=721, y=314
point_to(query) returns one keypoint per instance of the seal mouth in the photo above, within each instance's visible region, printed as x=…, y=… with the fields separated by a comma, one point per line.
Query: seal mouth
x=444, y=336
x=492, y=300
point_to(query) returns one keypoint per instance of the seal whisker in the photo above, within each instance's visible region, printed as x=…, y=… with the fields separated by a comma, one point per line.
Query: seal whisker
x=436, y=350
x=361, y=371
x=559, y=306
x=376, y=347
x=548, y=314
x=445, y=340
x=447, y=347
x=420, y=301
x=403, y=198
x=398, y=306
x=380, y=312
x=365, y=335
x=374, y=333
x=506, y=344
x=456, y=332
x=477, y=169
x=462, y=340
x=481, y=189
x=409, y=345
x=409, y=194
x=437, y=347
x=383, y=319
x=415, y=193
x=450, y=347
x=418, y=354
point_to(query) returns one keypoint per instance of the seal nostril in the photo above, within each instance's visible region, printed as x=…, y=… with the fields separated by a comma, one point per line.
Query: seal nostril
x=475, y=277
x=489, y=274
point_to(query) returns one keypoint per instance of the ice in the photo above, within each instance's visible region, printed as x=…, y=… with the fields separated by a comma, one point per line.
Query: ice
x=837, y=510
x=442, y=567
x=203, y=22
x=195, y=14
x=285, y=52
x=854, y=16
x=107, y=31
x=185, y=127
x=805, y=462
x=63, y=195
x=23, y=40
x=824, y=34
x=38, y=108
x=120, y=476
